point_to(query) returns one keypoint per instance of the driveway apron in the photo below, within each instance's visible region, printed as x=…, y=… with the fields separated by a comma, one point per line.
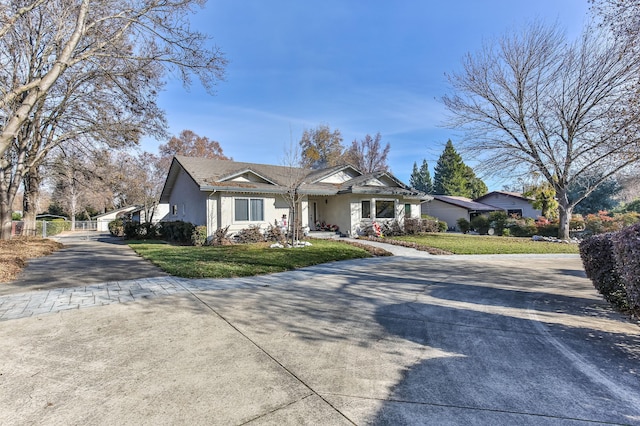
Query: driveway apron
x=495, y=340
x=87, y=258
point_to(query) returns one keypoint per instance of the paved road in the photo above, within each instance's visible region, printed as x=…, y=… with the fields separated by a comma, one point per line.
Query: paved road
x=497, y=340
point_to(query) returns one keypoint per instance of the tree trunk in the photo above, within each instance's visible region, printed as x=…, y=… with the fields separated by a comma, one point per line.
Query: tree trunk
x=564, y=210
x=30, y=202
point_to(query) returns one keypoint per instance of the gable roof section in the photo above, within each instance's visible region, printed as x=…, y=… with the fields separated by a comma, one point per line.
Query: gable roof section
x=466, y=203
x=222, y=175
x=517, y=195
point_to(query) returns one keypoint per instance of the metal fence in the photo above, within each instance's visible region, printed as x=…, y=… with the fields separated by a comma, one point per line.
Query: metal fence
x=48, y=228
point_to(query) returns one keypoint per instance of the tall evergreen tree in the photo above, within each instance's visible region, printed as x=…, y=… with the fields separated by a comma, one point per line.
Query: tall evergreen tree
x=453, y=177
x=421, y=178
x=449, y=177
x=477, y=187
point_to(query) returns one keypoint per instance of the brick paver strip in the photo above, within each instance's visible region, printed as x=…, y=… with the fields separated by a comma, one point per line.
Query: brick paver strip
x=43, y=302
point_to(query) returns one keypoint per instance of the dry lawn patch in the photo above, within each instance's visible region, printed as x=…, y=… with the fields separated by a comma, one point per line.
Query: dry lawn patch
x=15, y=253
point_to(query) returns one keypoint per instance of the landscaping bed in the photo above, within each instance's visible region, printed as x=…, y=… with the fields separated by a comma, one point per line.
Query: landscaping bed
x=15, y=253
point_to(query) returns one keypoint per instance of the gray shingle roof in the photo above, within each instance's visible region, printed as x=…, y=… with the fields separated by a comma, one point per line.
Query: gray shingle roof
x=210, y=174
x=466, y=203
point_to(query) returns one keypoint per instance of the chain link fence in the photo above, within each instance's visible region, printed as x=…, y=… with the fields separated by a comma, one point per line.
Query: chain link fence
x=48, y=228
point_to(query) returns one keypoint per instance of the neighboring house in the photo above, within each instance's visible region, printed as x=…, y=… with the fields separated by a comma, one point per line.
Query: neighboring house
x=220, y=193
x=158, y=212
x=513, y=203
x=450, y=209
x=102, y=220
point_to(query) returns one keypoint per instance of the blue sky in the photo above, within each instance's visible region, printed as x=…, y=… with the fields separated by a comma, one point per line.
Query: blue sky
x=358, y=66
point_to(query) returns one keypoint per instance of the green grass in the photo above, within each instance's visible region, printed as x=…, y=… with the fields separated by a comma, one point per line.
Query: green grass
x=241, y=260
x=477, y=244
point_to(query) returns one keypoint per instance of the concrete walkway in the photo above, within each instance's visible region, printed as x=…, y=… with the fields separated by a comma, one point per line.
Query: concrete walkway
x=496, y=340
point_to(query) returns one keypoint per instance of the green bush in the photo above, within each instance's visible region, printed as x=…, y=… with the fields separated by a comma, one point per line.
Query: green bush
x=116, y=228
x=442, y=226
x=626, y=251
x=199, y=236
x=498, y=221
x=463, y=225
x=523, y=227
x=481, y=224
x=16, y=216
x=177, y=231
x=599, y=263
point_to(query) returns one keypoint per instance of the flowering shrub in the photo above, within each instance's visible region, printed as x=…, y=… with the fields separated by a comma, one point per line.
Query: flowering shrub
x=606, y=222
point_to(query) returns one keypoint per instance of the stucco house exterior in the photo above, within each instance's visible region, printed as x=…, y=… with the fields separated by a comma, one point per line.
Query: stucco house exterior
x=220, y=193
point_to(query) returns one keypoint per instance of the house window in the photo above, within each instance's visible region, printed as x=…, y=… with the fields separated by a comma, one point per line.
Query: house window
x=407, y=210
x=174, y=209
x=366, y=209
x=514, y=213
x=249, y=209
x=385, y=210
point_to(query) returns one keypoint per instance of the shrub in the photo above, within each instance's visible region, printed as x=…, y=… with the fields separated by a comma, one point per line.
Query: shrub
x=481, y=224
x=199, y=235
x=521, y=227
x=412, y=225
x=221, y=237
x=463, y=225
x=498, y=221
x=605, y=222
x=599, y=263
x=16, y=216
x=416, y=226
x=274, y=233
x=116, y=228
x=177, y=231
x=252, y=234
x=626, y=251
x=392, y=229
x=131, y=230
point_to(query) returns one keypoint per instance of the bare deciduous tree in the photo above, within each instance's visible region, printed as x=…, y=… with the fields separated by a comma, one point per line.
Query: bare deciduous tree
x=532, y=102
x=74, y=34
x=368, y=155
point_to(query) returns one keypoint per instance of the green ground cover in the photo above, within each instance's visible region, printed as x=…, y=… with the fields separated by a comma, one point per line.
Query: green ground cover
x=482, y=244
x=241, y=260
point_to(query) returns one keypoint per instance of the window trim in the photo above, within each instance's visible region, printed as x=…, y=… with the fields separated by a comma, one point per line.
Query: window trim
x=249, y=210
x=393, y=210
x=362, y=215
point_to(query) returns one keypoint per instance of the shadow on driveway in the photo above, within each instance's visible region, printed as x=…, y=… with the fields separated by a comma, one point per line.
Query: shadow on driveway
x=87, y=258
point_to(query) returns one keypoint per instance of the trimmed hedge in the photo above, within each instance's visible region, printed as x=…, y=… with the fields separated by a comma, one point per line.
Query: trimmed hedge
x=599, y=263
x=626, y=250
x=177, y=231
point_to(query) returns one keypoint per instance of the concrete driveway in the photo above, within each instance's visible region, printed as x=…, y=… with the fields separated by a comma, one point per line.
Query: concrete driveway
x=498, y=340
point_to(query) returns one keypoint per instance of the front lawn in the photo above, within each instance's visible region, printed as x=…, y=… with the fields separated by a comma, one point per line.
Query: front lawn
x=241, y=260
x=483, y=244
